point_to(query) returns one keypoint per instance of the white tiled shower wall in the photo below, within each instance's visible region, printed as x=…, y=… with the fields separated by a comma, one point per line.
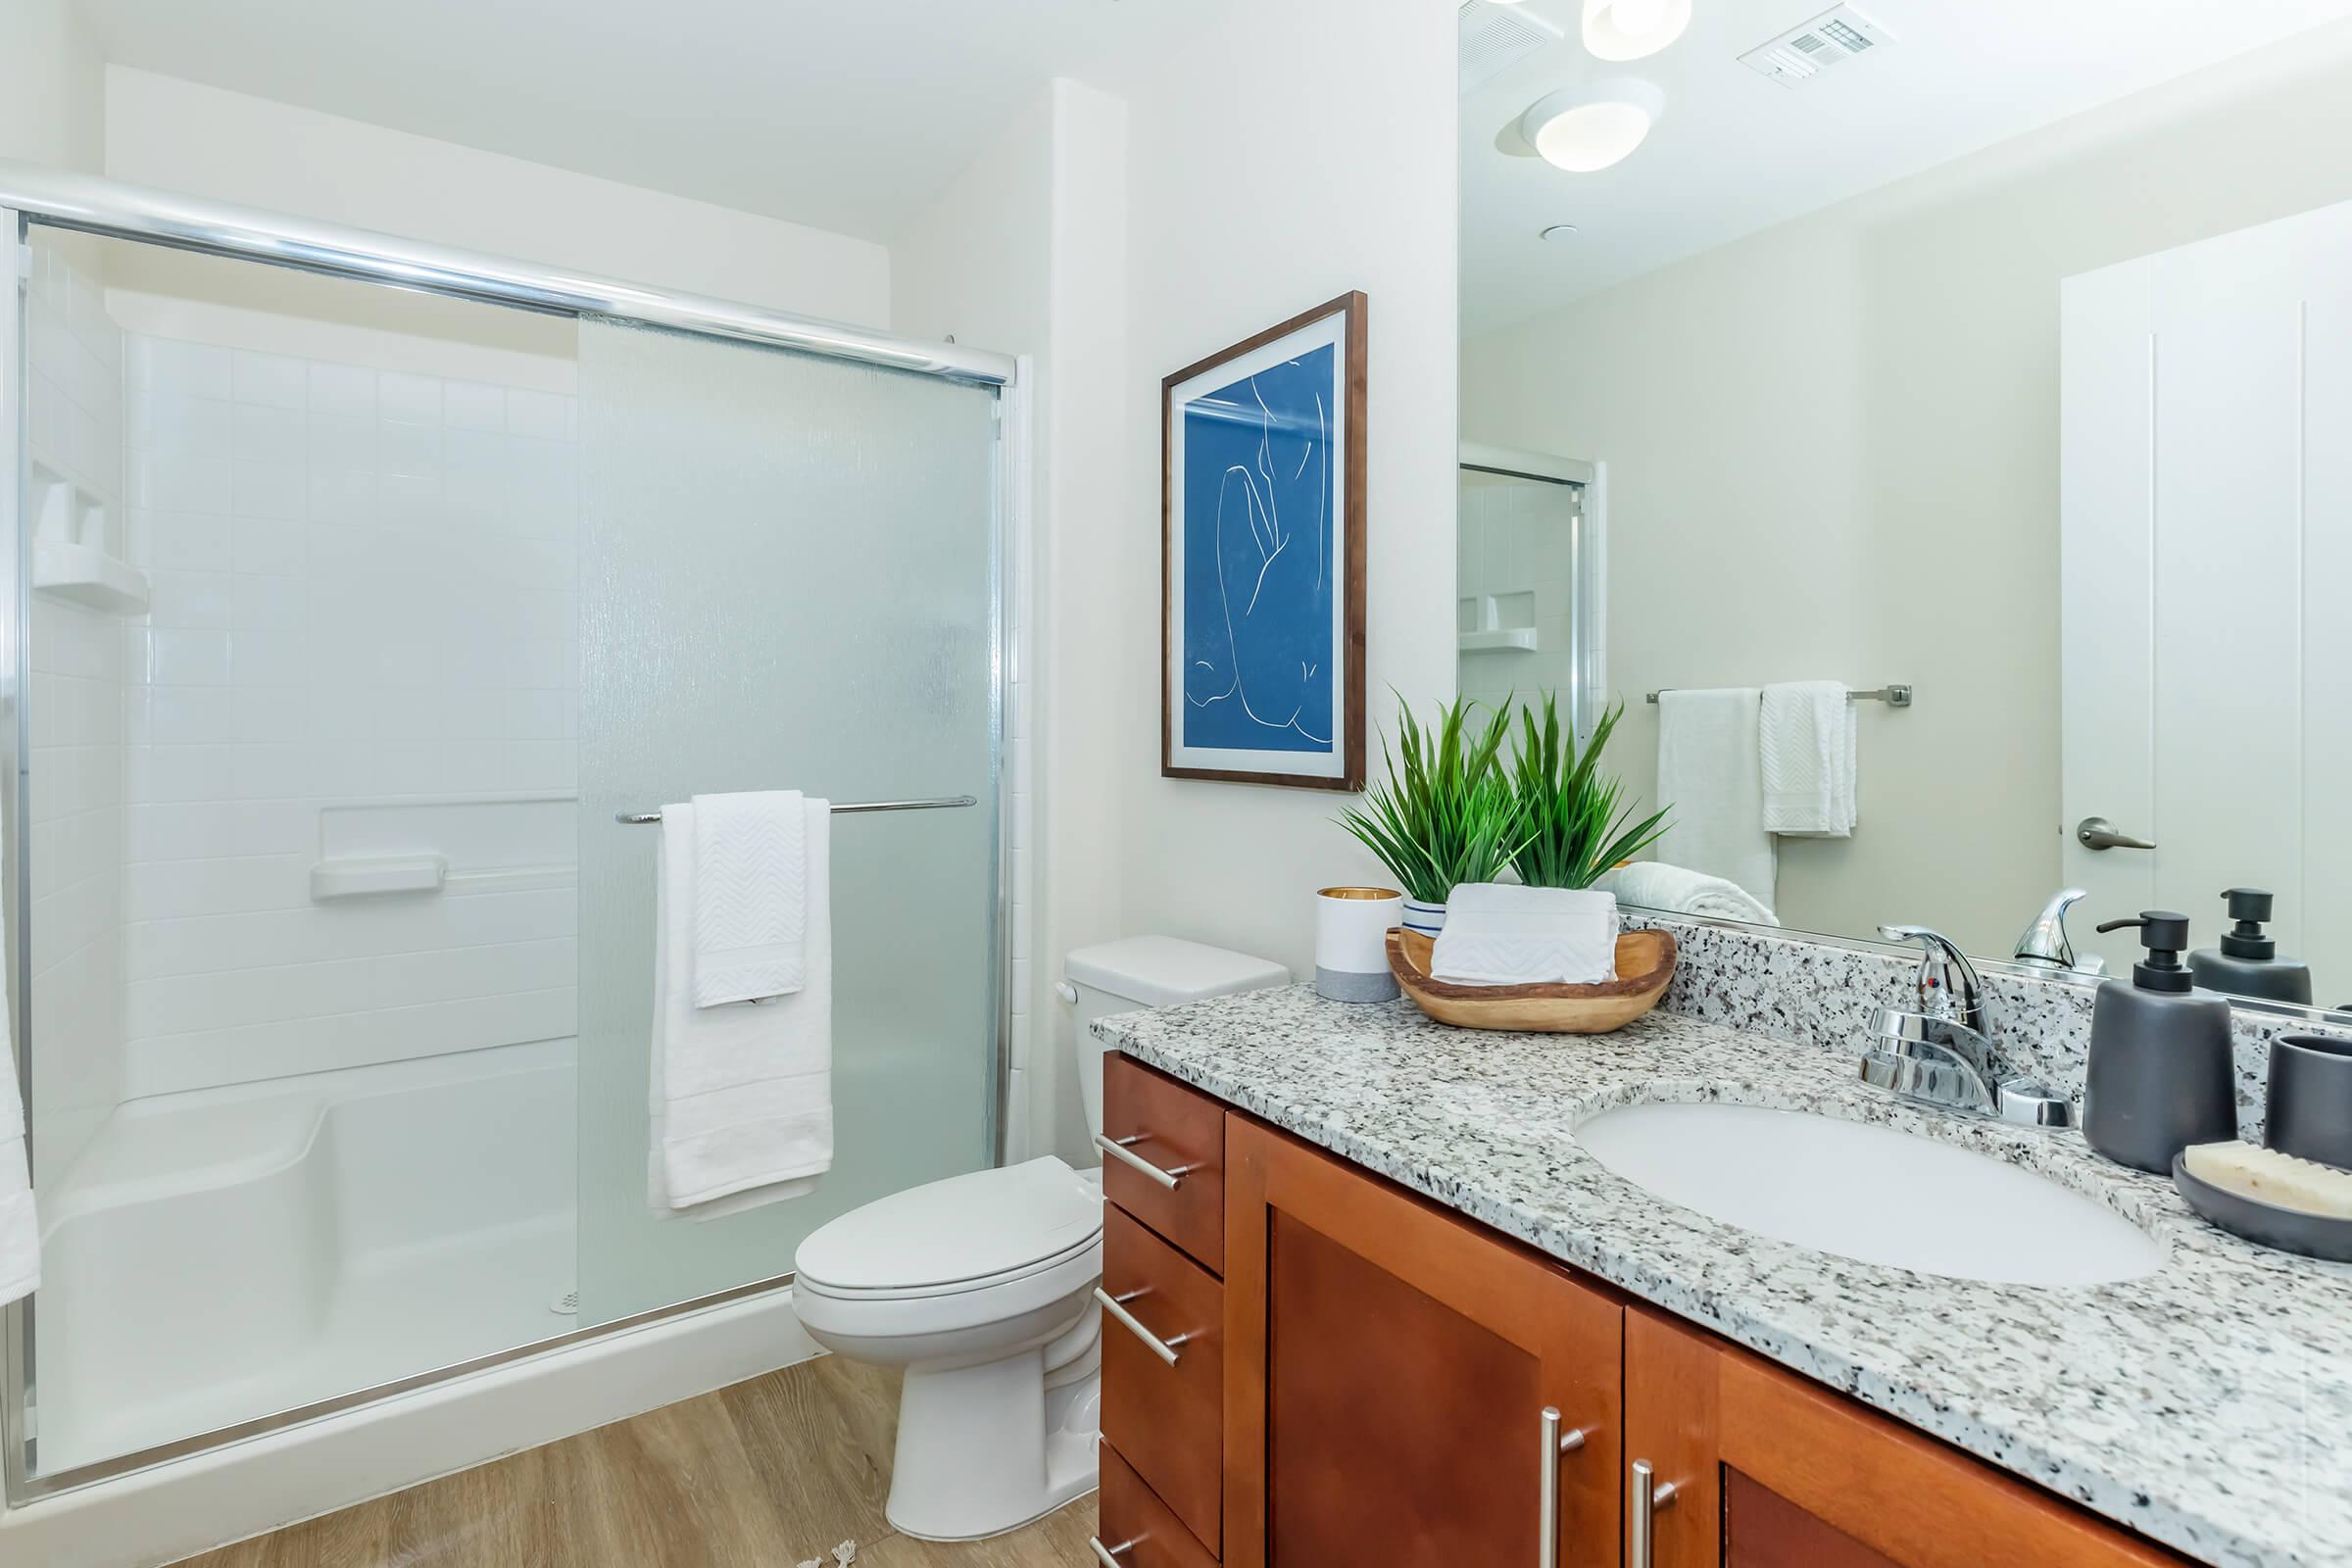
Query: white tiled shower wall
x=361, y=644
x=1516, y=544
x=73, y=414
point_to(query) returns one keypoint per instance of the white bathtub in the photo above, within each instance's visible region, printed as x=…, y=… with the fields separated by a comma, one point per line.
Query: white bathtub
x=226, y=1254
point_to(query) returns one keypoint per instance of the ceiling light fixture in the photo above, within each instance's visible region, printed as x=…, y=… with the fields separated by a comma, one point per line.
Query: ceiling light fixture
x=1558, y=232
x=1628, y=29
x=1586, y=128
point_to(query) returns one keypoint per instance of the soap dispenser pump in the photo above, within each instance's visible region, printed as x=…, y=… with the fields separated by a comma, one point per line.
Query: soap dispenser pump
x=2159, y=1077
x=2247, y=962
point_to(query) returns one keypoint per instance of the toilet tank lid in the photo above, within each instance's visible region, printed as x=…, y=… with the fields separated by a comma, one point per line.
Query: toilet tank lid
x=1163, y=972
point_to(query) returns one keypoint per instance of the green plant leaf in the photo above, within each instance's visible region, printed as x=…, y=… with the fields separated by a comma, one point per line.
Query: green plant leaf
x=1576, y=818
x=1443, y=812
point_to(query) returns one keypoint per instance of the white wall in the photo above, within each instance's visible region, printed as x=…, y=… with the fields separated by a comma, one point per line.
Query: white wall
x=52, y=80
x=1832, y=452
x=1276, y=159
x=224, y=145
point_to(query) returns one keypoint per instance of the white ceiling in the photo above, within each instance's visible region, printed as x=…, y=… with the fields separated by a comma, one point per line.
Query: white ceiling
x=848, y=115
x=1734, y=153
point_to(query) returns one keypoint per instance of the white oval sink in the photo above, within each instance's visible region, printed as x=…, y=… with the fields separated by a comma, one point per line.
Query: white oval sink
x=1870, y=1194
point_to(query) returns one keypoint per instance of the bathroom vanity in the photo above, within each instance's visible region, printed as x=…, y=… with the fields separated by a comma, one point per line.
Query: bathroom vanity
x=1371, y=1301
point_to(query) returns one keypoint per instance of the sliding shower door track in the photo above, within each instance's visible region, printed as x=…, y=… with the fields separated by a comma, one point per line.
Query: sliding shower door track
x=33, y=1486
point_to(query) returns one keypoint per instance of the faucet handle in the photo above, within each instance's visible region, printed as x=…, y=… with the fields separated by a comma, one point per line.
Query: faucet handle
x=1949, y=987
x=2045, y=941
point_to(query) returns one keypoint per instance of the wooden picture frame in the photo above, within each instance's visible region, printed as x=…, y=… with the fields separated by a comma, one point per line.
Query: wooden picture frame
x=1262, y=613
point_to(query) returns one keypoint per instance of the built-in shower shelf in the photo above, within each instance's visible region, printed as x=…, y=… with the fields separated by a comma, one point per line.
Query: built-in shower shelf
x=87, y=575
x=1510, y=639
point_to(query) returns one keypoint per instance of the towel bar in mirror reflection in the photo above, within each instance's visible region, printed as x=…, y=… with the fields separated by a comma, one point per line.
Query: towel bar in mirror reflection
x=1894, y=695
x=839, y=809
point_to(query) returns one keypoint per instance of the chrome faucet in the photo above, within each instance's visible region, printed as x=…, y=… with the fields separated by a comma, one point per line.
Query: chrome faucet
x=1942, y=1052
x=2044, y=943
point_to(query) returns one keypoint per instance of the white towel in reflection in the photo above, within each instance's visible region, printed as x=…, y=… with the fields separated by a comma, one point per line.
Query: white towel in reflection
x=1711, y=783
x=750, y=896
x=1498, y=934
x=19, y=1231
x=741, y=1094
x=1679, y=890
x=1806, y=741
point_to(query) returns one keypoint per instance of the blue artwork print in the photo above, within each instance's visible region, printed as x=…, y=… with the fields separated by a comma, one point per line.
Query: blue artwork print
x=1259, y=560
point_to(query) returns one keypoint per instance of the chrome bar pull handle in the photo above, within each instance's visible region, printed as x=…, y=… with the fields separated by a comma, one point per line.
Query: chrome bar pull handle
x=1648, y=1495
x=1109, y=1556
x=1547, y=1485
x=1116, y=1148
x=1116, y=1306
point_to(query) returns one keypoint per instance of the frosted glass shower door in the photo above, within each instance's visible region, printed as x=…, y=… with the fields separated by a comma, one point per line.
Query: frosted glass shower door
x=787, y=580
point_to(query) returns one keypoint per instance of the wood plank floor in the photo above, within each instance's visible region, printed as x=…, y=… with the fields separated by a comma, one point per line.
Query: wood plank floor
x=767, y=1474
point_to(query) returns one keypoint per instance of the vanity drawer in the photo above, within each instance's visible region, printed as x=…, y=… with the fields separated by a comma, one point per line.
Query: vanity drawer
x=1163, y=1398
x=1168, y=1129
x=1137, y=1527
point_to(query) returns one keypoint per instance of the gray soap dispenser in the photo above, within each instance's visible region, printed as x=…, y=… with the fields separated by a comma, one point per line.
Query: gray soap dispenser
x=2159, y=1076
x=2247, y=962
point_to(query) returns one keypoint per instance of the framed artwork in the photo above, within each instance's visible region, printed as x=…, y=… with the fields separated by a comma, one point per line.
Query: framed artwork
x=1263, y=556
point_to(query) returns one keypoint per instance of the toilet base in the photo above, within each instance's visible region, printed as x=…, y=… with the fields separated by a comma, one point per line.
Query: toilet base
x=988, y=1447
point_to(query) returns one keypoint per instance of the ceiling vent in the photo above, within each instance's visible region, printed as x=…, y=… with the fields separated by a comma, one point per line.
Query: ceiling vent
x=1800, y=53
x=1497, y=37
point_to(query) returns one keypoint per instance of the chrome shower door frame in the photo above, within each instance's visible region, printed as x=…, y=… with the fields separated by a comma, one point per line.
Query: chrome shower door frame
x=34, y=196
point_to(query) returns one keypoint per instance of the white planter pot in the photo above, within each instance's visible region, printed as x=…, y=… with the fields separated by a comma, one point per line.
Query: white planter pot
x=1425, y=917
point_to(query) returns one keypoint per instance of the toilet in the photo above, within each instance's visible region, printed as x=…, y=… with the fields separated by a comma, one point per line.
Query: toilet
x=982, y=1287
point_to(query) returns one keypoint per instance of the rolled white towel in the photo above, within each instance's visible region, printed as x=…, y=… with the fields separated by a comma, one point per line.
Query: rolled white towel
x=1497, y=934
x=1679, y=890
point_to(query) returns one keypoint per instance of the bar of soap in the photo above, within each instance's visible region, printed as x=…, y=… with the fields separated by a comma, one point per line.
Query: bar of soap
x=2268, y=1176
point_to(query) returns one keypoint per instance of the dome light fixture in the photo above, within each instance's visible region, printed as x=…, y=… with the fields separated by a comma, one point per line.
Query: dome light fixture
x=1629, y=29
x=1556, y=232
x=1585, y=129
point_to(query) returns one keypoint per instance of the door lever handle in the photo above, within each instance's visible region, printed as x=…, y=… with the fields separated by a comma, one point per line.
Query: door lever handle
x=2097, y=833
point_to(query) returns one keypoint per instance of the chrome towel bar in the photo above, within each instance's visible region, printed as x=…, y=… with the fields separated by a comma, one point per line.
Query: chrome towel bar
x=1895, y=696
x=840, y=808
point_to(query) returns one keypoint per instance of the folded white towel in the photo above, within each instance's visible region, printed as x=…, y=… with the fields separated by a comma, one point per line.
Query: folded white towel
x=1711, y=782
x=1498, y=934
x=741, y=1095
x=19, y=1231
x=1679, y=890
x=1806, y=737
x=750, y=896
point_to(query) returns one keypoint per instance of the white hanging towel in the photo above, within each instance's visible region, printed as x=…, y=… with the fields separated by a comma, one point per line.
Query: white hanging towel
x=741, y=1094
x=1497, y=934
x=1711, y=784
x=19, y=1231
x=750, y=896
x=1806, y=731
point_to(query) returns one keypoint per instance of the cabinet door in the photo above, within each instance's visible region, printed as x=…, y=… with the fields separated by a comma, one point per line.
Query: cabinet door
x=1770, y=1471
x=1388, y=1369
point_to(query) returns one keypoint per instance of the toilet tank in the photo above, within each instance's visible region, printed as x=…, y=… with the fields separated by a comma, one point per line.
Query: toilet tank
x=1149, y=972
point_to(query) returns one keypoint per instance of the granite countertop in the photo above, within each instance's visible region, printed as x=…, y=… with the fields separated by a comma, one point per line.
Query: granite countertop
x=2208, y=1405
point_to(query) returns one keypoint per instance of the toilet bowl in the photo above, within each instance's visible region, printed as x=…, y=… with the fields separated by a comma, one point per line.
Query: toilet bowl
x=982, y=1286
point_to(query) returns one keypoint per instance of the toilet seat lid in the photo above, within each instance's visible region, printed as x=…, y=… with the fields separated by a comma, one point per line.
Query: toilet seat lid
x=963, y=1228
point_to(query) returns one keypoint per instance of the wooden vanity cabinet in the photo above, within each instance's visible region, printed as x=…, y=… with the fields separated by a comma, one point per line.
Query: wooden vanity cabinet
x=1387, y=1370
x=1364, y=1376
x=1772, y=1471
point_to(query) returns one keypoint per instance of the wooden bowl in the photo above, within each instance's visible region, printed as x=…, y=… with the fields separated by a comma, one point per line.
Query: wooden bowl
x=1645, y=962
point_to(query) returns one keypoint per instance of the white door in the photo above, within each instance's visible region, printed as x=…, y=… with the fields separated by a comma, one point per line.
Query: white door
x=2206, y=584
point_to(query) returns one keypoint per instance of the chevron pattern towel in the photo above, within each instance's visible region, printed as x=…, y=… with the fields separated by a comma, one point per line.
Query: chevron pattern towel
x=1806, y=751
x=750, y=896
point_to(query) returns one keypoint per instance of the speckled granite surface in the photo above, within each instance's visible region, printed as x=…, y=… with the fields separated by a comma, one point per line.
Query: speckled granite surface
x=2208, y=1405
x=1818, y=993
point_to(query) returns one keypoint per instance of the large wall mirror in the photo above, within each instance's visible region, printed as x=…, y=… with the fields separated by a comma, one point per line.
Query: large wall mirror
x=1991, y=361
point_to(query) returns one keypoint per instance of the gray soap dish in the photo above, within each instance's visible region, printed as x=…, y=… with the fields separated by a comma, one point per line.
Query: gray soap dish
x=2290, y=1229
